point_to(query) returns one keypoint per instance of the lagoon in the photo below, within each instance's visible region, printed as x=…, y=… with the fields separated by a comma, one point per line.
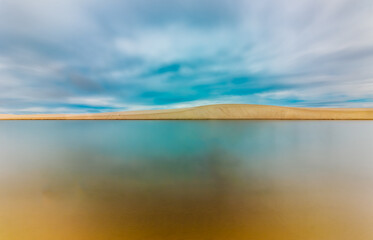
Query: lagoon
x=186, y=180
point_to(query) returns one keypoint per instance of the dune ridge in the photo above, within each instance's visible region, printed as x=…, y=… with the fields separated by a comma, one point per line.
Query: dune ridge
x=210, y=112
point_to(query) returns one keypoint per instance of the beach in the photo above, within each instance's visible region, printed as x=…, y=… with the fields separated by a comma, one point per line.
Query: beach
x=219, y=111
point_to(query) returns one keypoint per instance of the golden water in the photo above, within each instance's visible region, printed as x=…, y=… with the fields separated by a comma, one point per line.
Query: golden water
x=186, y=180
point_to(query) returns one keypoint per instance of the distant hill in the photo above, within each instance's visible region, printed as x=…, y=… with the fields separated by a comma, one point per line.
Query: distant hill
x=220, y=111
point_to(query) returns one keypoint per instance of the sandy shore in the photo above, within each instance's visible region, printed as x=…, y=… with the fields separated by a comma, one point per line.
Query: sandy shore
x=220, y=111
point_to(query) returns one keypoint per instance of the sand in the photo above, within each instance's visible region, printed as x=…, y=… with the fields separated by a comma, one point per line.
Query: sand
x=219, y=111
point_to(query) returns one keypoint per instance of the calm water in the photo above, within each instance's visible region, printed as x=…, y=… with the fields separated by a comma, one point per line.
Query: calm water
x=149, y=180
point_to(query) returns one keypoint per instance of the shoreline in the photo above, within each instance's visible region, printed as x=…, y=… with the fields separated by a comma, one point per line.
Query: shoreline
x=214, y=112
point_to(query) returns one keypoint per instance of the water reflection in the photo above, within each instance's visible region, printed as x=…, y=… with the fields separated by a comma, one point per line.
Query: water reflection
x=186, y=180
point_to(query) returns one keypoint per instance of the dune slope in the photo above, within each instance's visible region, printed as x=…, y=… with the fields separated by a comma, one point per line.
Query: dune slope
x=220, y=111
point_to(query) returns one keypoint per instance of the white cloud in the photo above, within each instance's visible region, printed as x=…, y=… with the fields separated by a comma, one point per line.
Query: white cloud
x=176, y=43
x=315, y=49
x=93, y=101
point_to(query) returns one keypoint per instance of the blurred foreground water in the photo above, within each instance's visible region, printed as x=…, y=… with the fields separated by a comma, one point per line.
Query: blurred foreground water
x=142, y=180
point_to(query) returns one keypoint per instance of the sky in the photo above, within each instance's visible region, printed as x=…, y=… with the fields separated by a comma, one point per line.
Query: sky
x=86, y=56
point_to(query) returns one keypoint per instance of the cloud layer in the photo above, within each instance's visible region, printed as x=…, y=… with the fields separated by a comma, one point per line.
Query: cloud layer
x=94, y=56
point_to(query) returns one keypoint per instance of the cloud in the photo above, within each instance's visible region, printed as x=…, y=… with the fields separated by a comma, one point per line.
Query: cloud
x=94, y=56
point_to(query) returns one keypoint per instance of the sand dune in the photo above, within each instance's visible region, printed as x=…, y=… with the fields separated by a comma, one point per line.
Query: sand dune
x=220, y=111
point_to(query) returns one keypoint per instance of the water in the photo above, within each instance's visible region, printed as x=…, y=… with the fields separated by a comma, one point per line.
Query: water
x=93, y=180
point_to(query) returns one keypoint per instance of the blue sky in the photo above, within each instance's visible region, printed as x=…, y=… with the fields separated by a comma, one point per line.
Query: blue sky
x=77, y=56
